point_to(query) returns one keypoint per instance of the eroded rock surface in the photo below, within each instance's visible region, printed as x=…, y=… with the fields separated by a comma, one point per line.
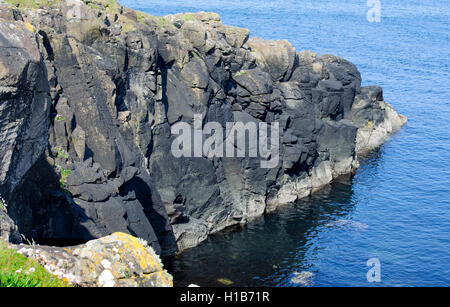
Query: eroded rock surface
x=118, y=260
x=92, y=89
x=8, y=229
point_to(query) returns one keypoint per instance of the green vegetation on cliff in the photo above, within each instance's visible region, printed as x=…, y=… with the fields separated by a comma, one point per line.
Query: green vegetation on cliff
x=241, y=73
x=108, y=5
x=105, y=6
x=32, y=3
x=18, y=271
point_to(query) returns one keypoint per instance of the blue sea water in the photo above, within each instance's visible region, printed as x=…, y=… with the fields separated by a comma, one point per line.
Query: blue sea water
x=397, y=207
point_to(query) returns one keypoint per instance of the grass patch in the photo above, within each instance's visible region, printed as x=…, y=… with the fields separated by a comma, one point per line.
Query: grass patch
x=240, y=73
x=64, y=173
x=61, y=153
x=108, y=6
x=63, y=188
x=187, y=17
x=93, y=6
x=34, y=4
x=142, y=17
x=145, y=18
x=195, y=55
x=160, y=21
x=105, y=6
x=19, y=271
x=128, y=27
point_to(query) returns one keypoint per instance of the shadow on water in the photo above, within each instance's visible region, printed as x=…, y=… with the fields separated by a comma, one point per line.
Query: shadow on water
x=267, y=250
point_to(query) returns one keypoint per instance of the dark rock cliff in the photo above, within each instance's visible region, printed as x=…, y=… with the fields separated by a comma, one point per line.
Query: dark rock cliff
x=89, y=91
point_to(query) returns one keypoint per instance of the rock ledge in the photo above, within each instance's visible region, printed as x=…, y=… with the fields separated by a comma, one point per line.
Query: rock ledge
x=118, y=260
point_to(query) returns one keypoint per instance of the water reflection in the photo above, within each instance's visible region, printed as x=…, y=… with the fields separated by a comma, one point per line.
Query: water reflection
x=262, y=253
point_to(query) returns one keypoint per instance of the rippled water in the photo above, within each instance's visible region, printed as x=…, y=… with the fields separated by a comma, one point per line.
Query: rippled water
x=397, y=207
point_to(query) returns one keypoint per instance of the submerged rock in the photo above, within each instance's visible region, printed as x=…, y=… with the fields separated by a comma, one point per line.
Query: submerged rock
x=225, y=281
x=303, y=278
x=117, y=260
x=347, y=223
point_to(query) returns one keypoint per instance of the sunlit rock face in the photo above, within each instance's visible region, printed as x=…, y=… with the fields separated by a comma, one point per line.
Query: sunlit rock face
x=90, y=94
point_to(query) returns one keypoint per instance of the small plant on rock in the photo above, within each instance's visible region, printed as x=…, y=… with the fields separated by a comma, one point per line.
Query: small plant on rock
x=3, y=204
x=61, y=153
x=64, y=173
x=240, y=73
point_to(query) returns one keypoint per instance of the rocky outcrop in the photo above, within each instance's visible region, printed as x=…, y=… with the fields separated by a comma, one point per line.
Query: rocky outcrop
x=375, y=118
x=92, y=90
x=118, y=260
x=8, y=229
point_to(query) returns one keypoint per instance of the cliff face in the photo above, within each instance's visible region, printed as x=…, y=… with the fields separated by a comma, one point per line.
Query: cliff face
x=89, y=91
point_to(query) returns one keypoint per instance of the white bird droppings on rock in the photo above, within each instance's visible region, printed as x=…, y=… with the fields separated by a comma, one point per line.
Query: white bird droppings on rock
x=106, y=279
x=106, y=264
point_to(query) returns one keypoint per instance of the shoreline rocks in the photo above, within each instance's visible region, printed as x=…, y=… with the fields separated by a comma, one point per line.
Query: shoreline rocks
x=89, y=97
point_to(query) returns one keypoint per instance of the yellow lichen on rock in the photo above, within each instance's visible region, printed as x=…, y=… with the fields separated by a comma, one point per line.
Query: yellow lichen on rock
x=29, y=27
x=225, y=281
x=157, y=279
x=113, y=261
x=146, y=258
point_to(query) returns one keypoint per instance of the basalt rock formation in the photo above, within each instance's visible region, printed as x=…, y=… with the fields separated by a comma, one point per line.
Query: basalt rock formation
x=89, y=91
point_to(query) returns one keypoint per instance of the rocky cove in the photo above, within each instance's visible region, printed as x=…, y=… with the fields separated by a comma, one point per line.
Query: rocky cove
x=89, y=91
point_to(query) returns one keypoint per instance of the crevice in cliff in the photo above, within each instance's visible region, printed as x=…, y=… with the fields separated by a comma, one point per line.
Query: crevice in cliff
x=47, y=46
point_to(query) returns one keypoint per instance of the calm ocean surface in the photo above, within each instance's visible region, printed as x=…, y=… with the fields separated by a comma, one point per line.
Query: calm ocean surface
x=397, y=207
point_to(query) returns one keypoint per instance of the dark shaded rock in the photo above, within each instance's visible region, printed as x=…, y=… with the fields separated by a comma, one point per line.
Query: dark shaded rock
x=327, y=99
x=8, y=229
x=24, y=102
x=85, y=174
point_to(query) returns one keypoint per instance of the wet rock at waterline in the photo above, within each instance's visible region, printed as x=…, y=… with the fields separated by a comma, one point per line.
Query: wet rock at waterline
x=303, y=278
